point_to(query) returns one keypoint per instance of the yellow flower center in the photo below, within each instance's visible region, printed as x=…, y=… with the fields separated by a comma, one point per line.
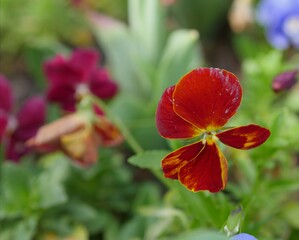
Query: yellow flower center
x=210, y=138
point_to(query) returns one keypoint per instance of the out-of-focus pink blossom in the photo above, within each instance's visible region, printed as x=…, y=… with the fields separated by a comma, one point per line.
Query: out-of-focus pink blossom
x=71, y=78
x=6, y=102
x=16, y=129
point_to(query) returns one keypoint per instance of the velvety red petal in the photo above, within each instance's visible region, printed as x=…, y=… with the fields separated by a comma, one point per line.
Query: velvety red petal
x=15, y=149
x=84, y=60
x=207, y=171
x=207, y=97
x=172, y=163
x=101, y=84
x=3, y=123
x=31, y=117
x=6, y=96
x=244, y=137
x=169, y=124
x=64, y=95
x=61, y=72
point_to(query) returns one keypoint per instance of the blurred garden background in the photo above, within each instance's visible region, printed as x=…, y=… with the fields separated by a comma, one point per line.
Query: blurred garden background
x=80, y=81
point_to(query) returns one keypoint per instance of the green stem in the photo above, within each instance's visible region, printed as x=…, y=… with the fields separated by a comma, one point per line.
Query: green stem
x=122, y=127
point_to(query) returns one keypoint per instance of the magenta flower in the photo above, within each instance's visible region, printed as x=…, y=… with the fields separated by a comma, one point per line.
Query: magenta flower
x=284, y=81
x=16, y=129
x=71, y=78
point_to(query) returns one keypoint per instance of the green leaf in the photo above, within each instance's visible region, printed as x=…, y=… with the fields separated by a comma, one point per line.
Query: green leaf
x=147, y=24
x=284, y=185
x=26, y=187
x=148, y=159
x=18, y=229
x=291, y=213
x=181, y=54
x=199, y=234
x=119, y=48
x=14, y=191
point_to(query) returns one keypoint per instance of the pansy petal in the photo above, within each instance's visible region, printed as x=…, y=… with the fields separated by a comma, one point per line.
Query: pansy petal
x=84, y=60
x=101, y=84
x=108, y=133
x=60, y=72
x=62, y=95
x=172, y=163
x=207, y=97
x=3, y=123
x=6, y=95
x=48, y=136
x=169, y=124
x=81, y=146
x=15, y=149
x=207, y=171
x=31, y=116
x=244, y=137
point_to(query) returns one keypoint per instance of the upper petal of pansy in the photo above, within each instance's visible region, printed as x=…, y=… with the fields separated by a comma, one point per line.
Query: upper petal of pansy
x=101, y=84
x=60, y=72
x=207, y=171
x=169, y=124
x=172, y=163
x=6, y=96
x=84, y=60
x=244, y=137
x=207, y=97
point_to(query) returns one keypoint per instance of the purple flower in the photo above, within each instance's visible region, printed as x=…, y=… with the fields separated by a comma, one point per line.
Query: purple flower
x=16, y=129
x=243, y=236
x=281, y=20
x=71, y=78
x=6, y=102
x=284, y=81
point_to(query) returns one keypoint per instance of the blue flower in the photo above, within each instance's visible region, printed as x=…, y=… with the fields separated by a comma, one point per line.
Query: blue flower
x=243, y=236
x=281, y=20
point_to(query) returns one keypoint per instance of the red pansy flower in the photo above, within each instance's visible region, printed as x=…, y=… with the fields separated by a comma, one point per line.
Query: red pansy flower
x=16, y=129
x=71, y=78
x=78, y=135
x=200, y=104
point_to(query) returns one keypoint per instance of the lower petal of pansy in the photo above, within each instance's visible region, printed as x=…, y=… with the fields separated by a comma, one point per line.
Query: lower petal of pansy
x=81, y=145
x=169, y=124
x=172, y=163
x=107, y=132
x=207, y=171
x=244, y=137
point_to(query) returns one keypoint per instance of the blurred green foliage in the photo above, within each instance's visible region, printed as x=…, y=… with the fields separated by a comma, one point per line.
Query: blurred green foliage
x=38, y=23
x=125, y=196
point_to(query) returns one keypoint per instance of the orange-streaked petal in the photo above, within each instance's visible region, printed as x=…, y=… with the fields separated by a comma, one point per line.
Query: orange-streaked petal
x=172, y=163
x=244, y=137
x=207, y=97
x=109, y=135
x=207, y=171
x=169, y=124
